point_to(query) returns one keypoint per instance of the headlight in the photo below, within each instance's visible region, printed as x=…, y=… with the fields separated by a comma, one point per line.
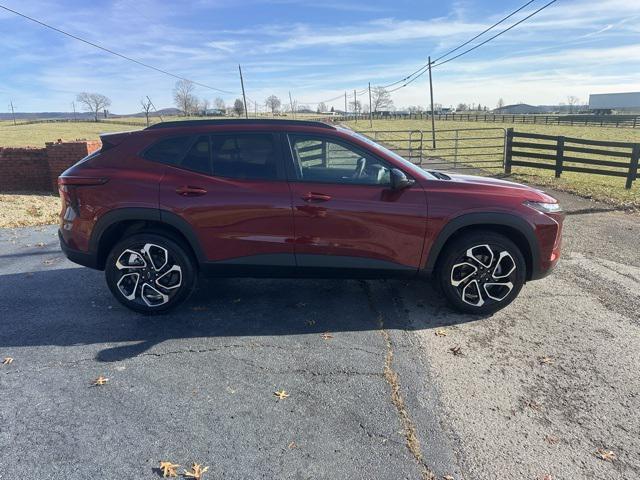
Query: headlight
x=544, y=207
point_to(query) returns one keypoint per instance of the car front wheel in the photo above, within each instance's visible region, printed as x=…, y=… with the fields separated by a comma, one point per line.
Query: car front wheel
x=482, y=272
x=150, y=273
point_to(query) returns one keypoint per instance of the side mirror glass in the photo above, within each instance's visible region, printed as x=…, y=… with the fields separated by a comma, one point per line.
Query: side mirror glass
x=399, y=180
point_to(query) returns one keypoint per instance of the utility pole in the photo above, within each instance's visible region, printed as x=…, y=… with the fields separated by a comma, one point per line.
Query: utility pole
x=291, y=103
x=154, y=108
x=73, y=104
x=370, y=108
x=12, y=112
x=346, y=110
x=433, y=121
x=244, y=97
x=355, y=104
x=255, y=106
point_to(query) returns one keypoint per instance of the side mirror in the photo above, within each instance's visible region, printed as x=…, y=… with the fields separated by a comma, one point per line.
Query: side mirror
x=399, y=180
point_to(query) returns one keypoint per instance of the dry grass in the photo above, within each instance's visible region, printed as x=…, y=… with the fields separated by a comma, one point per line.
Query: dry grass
x=28, y=209
x=606, y=189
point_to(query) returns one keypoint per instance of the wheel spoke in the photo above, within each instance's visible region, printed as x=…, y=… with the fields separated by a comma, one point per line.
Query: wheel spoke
x=158, y=256
x=170, y=279
x=152, y=296
x=460, y=273
x=479, y=253
x=498, y=291
x=130, y=259
x=472, y=294
x=505, y=266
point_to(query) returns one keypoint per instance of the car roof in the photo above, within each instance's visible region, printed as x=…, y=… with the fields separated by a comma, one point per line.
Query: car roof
x=270, y=122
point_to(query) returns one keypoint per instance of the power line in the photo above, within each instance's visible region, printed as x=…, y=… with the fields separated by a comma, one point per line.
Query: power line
x=434, y=64
x=146, y=65
x=426, y=66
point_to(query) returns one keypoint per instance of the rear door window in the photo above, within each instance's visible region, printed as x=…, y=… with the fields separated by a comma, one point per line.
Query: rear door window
x=198, y=156
x=246, y=156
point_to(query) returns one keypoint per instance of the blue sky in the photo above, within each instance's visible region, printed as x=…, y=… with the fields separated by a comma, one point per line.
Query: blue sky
x=316, y=50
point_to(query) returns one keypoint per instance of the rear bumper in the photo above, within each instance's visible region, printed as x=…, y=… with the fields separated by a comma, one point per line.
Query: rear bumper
x=86, y=259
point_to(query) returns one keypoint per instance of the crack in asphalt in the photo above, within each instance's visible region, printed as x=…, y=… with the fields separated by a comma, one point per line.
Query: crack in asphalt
x=391, y=376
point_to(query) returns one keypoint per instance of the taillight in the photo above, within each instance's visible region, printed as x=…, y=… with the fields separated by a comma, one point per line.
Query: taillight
x=82, y=181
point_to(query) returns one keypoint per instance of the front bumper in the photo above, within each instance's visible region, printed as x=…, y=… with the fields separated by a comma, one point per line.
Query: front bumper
x=86, y=259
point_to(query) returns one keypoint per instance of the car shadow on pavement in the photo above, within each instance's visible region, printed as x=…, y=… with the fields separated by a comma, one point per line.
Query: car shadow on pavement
x=73, y=307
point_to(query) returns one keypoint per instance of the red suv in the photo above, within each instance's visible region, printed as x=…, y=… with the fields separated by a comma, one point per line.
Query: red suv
x=273, y=198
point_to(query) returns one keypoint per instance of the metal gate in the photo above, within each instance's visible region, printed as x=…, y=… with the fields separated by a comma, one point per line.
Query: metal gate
x=456, y=149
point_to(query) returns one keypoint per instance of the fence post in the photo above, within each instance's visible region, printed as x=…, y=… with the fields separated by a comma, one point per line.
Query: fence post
x=455, y=151
x=559, y=156
x=508, y=150
x=633, y=166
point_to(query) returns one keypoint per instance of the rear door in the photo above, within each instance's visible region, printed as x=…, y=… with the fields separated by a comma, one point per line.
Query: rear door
x=232, y=189
x=345, y=213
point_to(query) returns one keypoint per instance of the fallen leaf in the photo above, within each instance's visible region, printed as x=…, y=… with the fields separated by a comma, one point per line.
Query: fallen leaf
x=100, y=381
x=551, y=439
x=300, y=305
x=534, y=405
x=292, y=445
x=40, y=244
x=606, y=455
x=196, y=471
x=447, y=477
x=310, y=322
x=545, y=360
x=457, y=350
x=546, y=477
x=237, y=300
x=169, y=469
x=49, y=261
x=7, y=361
x=441, y=332
x=281, y=394
x=326, y=336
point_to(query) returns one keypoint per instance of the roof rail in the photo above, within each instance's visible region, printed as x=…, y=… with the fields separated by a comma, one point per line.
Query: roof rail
x=238, y=121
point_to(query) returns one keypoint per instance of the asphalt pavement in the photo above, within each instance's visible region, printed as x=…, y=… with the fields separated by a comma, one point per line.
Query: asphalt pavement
x=373, y=391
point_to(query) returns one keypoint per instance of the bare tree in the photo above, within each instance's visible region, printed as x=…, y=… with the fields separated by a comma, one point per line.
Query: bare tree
x=93, y=102
x=322, y=107
x=572, y=101
x=355, y=106
x=146, y=108
x=204, y=107
x=381, y=99
x=183, y=96
x=238, y=106
x=219, y=104
x=500, y=103
x=273, y=103
x=462, y=107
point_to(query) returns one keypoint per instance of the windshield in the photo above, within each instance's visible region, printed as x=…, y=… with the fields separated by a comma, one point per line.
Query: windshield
x=405, y=163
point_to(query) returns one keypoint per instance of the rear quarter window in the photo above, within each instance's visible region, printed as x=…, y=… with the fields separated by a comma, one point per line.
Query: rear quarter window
x=169, y=150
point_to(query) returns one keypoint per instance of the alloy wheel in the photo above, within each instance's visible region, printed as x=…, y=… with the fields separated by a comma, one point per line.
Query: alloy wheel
x=148, y=275
x=484, y=274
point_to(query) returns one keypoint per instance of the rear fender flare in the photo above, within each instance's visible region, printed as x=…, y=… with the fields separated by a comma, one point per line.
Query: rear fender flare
x=141, y=214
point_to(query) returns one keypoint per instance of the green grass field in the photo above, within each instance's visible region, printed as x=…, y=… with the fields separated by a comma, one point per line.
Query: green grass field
x=603, y=188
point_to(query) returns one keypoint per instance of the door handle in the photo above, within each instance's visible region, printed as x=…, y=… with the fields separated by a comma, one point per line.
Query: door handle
x=188, y=191
x=315, y=197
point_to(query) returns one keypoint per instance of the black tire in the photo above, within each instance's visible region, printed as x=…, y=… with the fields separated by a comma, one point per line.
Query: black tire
x=485, y=290
x=154, y=287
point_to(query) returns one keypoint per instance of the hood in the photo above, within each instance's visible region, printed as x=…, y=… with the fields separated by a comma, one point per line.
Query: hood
x=495, y=184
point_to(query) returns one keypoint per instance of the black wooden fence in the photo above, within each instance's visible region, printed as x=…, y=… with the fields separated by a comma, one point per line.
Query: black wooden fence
x=566, y=154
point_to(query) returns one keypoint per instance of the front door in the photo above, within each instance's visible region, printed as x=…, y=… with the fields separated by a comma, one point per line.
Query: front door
x=231, y=188
x=346, y=214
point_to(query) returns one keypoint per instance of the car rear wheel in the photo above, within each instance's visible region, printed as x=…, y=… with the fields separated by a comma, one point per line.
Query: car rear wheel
x=481, y=272
x=150, y=273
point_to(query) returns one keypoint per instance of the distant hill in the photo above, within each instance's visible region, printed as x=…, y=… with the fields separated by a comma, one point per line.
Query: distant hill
x=81, y=115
